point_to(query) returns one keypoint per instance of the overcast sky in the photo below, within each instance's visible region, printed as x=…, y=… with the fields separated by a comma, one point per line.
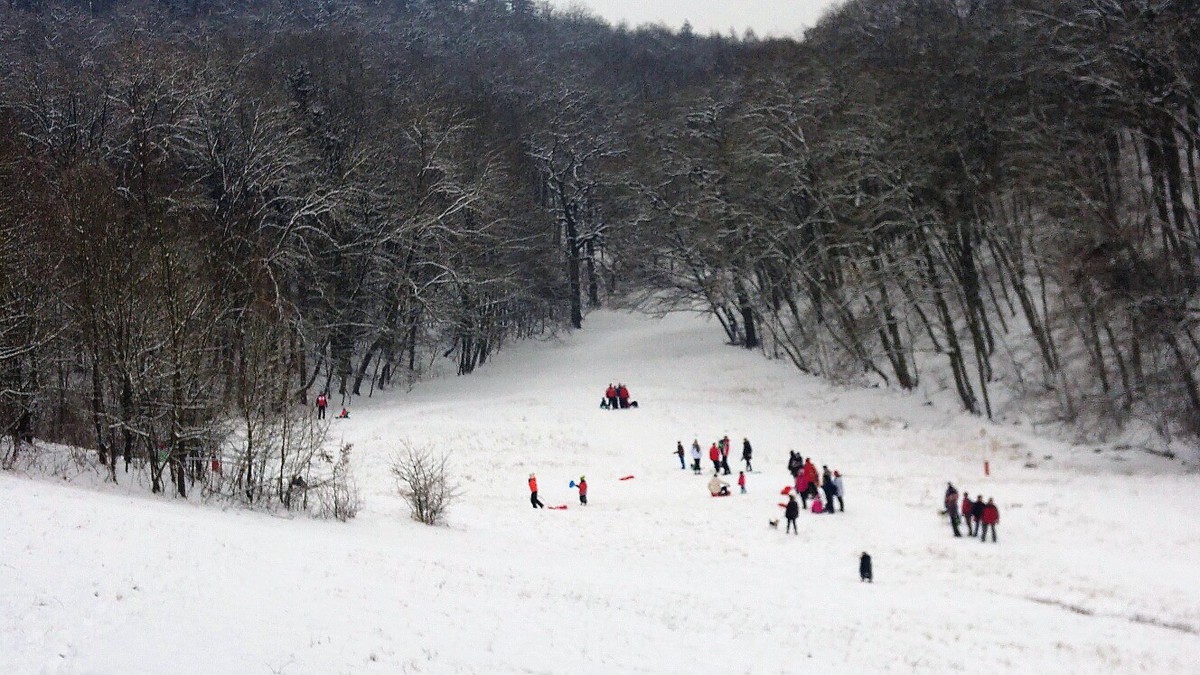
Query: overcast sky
x=766, y=17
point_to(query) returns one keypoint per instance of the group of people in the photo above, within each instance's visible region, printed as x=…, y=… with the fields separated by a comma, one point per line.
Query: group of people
x=718, y=453
x=980, y=516
x=617, y=398
x=808, y=483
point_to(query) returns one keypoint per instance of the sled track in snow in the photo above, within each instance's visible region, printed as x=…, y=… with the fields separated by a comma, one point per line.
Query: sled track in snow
x=1143, y=619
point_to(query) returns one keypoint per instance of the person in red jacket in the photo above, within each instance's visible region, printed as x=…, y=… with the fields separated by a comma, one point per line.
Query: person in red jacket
x=715, y=455
x=533, y=498
x=810, y=473
x=611, y=395
x=967, y=505
x=623, y=395
x=582, y=490
x=742, y=481
x=991, y=516
x=322, y=401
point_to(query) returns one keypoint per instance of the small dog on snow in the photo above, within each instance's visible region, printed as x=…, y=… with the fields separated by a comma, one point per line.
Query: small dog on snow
x=774, y=523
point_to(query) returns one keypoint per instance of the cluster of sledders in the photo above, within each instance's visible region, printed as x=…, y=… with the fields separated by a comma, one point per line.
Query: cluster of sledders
x=980, y=516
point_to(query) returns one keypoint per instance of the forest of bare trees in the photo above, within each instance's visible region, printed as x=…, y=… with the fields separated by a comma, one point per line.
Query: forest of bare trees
x=210, y=211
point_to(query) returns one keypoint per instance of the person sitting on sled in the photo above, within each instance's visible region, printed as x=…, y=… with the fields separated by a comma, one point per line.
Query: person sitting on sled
x=344, y=415
x=718, y=487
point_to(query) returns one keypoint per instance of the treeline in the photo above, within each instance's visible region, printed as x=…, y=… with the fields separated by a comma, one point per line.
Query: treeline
x=997, y=198
x=213, y=210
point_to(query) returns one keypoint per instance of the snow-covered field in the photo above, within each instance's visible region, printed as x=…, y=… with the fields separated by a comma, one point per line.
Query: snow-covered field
x=1096, y=569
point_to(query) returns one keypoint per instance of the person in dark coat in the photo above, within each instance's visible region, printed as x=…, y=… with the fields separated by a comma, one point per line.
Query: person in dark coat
x=952, y=507
x=828, y=488
x=989, y=518
x=864, y=568
x=746, y=452
x=977, y=512
x=791, y=512
x=794, y=463
x=679, y=453
x=967, y=503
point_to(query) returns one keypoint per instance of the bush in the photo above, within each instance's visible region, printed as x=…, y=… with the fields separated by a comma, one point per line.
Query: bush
x=422, y=481
x=338, y=495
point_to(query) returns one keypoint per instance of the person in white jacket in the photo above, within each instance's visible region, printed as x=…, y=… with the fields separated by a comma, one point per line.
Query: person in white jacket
x=696, y=457
x=841, y=492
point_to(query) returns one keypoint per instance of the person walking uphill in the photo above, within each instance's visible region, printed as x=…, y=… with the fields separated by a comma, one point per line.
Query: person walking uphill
x=679, y=453
x=991, y=516
x=791, y=512
x=952, y=508
x=533, y=498
x=746, y=452
x=582, y=485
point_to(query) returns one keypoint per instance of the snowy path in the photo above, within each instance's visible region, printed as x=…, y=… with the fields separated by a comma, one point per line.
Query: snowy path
x=1095, y=571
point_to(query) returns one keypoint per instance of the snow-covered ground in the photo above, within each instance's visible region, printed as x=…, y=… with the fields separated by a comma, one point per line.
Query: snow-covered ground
x=1095, y=570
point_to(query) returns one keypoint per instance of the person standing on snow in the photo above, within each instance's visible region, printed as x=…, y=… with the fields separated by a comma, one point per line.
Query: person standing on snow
x=991, y=516
x=952, y=507
x=828, y=488
x=696, y=457
x=977, y=513
x=837, y=486
x=322, y=402
x=679, y=453
x=966, y=513
x=724, y=445
x=714, y=454
x=810, y=474
x=794, y=463
x=742, y=481
x=864, y=568
x=802, y=489
x=746, y=452
x=611, y=395
x=791, y=512
x=582, y=490
x=623, y=396
x=533, y=498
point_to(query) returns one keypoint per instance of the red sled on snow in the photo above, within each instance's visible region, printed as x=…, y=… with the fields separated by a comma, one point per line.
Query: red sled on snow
x=785, y=491
x=727, y=494
x=560, y=507
x=629, y=477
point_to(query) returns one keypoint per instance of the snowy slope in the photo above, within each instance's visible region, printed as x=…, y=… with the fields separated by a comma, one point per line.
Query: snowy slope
x=1095, y=570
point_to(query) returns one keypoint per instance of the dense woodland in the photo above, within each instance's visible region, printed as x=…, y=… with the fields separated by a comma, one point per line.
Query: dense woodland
x=212, y=210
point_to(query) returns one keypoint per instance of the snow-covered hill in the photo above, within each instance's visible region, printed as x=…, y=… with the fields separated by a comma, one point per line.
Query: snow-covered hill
x=1095, y=570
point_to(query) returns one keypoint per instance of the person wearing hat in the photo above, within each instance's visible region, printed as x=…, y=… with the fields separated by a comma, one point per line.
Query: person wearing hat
x=582, y=490
x=952, y=508
x=533, y=498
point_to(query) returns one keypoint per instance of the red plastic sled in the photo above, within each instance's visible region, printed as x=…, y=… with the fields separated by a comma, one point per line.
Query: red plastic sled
x=629, y=477
x=724, y=495
x=785, y=491
x=783, y=505
x=560, y=507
